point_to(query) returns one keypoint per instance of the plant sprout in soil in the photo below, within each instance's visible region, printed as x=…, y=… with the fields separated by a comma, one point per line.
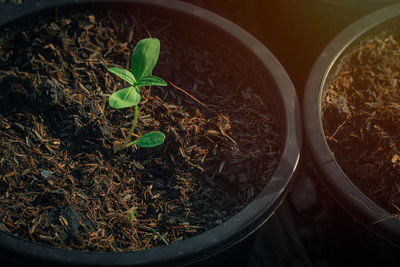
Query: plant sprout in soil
x=143, y=60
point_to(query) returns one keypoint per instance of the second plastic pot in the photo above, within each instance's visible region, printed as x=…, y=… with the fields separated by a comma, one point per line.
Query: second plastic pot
x=366, y=232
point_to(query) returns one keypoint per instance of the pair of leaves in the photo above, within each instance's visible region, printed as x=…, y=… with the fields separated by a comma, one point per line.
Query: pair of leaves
x=129, y=97
x=143, y=60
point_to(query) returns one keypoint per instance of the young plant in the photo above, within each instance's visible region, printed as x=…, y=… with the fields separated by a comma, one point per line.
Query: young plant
x=144, y=58
x=131, y=215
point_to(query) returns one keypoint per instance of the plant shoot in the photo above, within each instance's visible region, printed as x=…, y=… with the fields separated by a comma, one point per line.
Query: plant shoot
x=143, y=60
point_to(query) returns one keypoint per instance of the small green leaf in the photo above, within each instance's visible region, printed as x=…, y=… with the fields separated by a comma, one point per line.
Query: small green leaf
x=151, y=139
x=124, y=98
x=151, y=81
x=123, y=74
x=144, y=57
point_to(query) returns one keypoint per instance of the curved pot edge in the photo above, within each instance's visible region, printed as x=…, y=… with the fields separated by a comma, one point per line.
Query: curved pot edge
x=343, y=190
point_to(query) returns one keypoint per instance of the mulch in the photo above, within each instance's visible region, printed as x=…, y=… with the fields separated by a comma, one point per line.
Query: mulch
x=60, y=182
x=361, y=116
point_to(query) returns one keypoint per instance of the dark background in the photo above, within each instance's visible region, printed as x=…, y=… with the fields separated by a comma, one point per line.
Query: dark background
x=295, y=31
x=309, y=229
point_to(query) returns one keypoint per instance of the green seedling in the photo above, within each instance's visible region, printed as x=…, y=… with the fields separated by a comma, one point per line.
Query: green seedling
x=131, y=215
x=143, y=60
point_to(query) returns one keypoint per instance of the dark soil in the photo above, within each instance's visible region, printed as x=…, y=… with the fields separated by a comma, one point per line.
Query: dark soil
x=361, y=117
x=60, y=182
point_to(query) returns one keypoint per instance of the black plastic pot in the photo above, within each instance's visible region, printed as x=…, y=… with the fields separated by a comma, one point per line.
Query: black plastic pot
x=225, y=244
x=374, y=233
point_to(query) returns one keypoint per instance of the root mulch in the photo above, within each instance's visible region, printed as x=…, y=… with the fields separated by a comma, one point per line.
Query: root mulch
x=361, y=117
x=60, y=182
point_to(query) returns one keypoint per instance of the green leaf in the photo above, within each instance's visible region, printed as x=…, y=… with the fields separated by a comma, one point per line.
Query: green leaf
x=151, y=139
x=123, y=74
x=144, y=57
x=124, y=98
x=151, y=81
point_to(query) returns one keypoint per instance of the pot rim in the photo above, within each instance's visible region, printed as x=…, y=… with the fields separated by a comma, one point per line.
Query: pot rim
x=229, y=232
x=355, y=202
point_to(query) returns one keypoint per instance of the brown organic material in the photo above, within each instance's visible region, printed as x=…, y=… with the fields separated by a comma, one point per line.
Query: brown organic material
x=361, y=117
x=60, y=182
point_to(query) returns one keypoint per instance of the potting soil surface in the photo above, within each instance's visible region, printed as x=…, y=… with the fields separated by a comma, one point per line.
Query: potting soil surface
x=361, y=117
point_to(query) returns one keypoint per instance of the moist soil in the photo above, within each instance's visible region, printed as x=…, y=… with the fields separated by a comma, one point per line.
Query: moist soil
x=361, y=116
x=60, y=181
